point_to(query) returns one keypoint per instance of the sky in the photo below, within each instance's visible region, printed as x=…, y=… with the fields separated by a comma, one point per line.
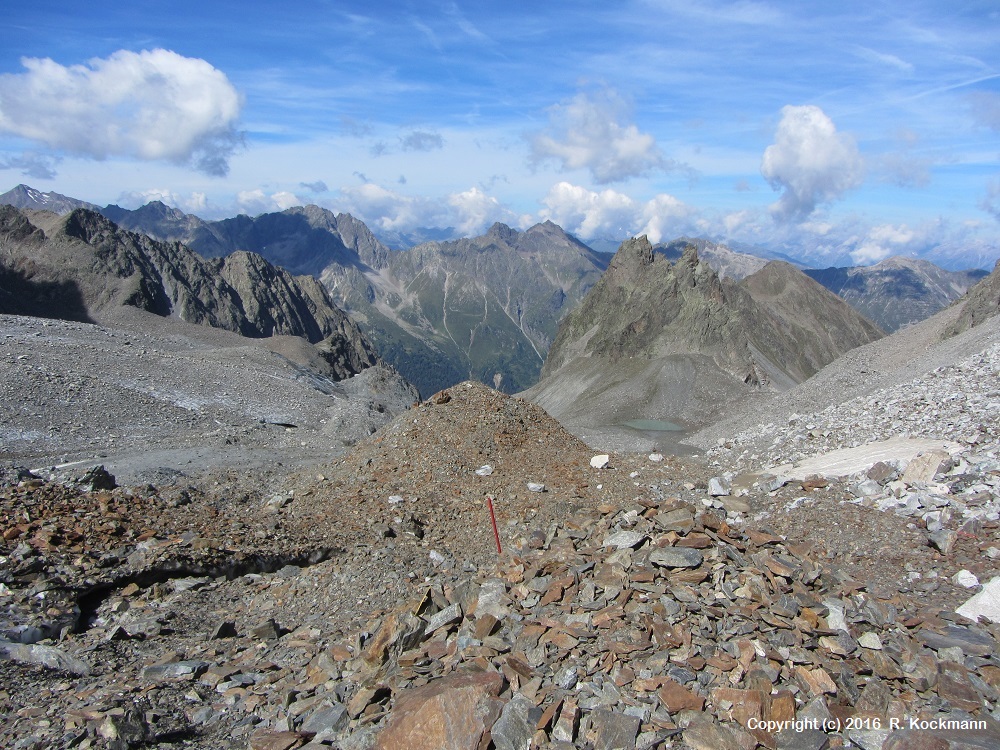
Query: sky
x=838, y=132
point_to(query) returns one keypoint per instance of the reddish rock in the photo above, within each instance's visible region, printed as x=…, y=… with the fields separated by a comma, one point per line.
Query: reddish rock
x=675, y=697
x=452, y=713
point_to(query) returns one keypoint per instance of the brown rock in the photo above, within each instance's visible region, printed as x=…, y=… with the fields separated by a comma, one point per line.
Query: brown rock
x=675, y=697
x=451, y=713
x=816, y=681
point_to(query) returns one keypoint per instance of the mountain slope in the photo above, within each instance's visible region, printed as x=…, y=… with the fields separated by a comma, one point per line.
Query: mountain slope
x=674, y=342
x=102, y=267
x=980, y=303
x=897, y=291
x=23, y=196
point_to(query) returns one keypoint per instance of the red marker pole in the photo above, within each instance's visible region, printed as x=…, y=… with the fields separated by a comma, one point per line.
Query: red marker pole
x=493, y=518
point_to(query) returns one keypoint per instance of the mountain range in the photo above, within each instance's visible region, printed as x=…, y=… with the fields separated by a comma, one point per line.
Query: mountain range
x=485, y=307
x=897, y=291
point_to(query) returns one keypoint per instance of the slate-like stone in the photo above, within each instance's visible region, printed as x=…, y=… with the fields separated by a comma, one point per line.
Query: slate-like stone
x=327, y=720
x=516, y=725
x=178, y=670
x=46, y=656
x=676, y=557
x=803, y=739
x=985, y=603
x=613, y=730
x=624, y=539
x=704, y=733
x=972, y=642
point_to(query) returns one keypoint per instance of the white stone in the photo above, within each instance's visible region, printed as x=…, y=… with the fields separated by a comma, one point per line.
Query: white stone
x=718, y=487
x=536, y=487
x=600, y=461
x=986, y=602
x=624, y=539
x=656, y=457
x=870, y=640
x=485, y=470
x=395, y=499
x=965, y=578
x=835, y=620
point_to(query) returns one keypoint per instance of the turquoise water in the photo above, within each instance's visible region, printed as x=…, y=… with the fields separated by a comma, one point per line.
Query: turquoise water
x=653, y=425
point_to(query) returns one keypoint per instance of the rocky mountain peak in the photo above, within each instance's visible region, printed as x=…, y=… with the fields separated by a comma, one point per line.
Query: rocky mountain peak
x=502, y=233
x=632, y=257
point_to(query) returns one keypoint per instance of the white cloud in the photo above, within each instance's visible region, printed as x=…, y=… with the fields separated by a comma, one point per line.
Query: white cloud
x=589, y=214
x=194, y=203
x=474, y=211
x=810, y=161
x=152, y=105
x=586, y=133
x=387, y=209
x=255, y=202
x=881, y=242
x=471, y=211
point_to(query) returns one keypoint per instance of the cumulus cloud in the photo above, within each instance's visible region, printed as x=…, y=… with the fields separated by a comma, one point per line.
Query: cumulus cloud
x=474, y=211
x=193, y=203
x=152, y=105
x=255, y=202
x=420, y=140
x=882, y=241
x=810, y=161
x=32, y=164
x=470, y=211
x=589, y=214
x=588, y=133
x=387, y=209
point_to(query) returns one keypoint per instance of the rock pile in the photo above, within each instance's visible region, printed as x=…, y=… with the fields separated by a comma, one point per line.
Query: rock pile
x=640, y=602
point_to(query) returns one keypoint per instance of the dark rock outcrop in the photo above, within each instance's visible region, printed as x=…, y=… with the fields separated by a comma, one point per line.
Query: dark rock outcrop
x=109, y=267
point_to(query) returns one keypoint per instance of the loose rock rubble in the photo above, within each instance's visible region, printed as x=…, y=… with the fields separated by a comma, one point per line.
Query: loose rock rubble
x=639, y=601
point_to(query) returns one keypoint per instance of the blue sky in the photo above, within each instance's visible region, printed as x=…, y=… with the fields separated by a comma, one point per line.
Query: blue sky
x=841, y=132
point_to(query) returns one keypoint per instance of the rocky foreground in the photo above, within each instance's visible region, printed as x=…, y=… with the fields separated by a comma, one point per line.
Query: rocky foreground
x=638, y=601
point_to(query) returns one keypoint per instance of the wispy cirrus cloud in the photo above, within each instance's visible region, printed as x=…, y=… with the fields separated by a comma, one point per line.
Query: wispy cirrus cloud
x=421, y=140
x=32, y=164
x=154, y=105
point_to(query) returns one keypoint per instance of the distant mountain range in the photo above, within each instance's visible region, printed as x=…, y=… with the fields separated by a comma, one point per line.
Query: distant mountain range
x=486, y=307
x=897, y=291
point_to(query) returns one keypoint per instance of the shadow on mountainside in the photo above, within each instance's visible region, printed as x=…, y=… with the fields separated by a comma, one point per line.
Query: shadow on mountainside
x=20, y=294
